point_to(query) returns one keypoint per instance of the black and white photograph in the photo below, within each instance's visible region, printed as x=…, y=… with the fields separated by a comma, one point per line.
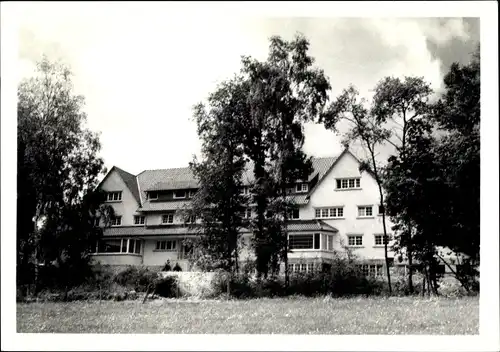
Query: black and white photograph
x=244, y=176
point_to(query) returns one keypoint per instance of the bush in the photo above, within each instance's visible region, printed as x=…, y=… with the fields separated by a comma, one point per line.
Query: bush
x=137, y=278
x=166, y=287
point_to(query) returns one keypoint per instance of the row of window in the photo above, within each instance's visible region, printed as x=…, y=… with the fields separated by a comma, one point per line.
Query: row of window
x=338, y=212
x=301, y=187
x=371, y=269
x=118, y=245
x=179, y=194
x=357, y=240
x=311, y=241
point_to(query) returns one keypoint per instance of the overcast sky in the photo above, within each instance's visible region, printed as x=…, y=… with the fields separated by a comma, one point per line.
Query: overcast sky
x=142, y=71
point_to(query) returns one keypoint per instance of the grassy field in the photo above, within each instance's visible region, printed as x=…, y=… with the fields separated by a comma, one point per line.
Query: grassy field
x=435, y=316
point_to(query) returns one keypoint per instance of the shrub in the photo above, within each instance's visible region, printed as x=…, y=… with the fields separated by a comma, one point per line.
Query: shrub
x=166, y=287
x=137, y=278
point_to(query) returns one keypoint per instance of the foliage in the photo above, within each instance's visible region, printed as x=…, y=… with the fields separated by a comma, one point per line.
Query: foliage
x=136, y=278
x=218, y=201
x=58, y=169
x=284, y=91
x=441, y=171
x=365, y=126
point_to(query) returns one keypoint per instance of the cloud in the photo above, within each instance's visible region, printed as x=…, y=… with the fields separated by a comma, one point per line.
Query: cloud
x=142, y=70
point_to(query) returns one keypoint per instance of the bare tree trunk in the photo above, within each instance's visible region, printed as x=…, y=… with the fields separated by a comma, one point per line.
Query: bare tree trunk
x=410, y=261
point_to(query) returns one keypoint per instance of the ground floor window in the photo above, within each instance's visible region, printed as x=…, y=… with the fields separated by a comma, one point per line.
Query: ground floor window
x=166, y=245
x=301, y=268
x=118, y=245
x=371, y=269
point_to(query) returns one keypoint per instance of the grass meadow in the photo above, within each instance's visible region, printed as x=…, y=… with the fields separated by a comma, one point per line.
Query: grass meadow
x=293, y=315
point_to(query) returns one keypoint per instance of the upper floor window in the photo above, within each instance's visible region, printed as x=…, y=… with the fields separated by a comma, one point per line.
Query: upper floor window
x=167, y=218
x=114, y=196
x=153, y=195
x=116, y=221
x=191, y=219
x=365, y=211
x=192, y=193
x=179, y=194
x=378, y=240
x=293, y=214
x=139, y=220
x=301, y=187
x=355, y=240
x=381, y=210
x=305, y=241
x=333, y=212
x=348, y=183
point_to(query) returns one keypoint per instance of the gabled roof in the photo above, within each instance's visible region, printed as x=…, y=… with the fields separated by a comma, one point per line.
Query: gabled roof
x=332, y=165
x=131, y=182
x=183, y=178
x=127, y=178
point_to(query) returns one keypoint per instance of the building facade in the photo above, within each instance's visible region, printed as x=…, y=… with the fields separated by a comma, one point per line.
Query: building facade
x=338, y=212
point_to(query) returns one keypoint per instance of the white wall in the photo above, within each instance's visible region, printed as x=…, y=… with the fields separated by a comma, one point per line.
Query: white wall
x=326, y=195
x=128, y=205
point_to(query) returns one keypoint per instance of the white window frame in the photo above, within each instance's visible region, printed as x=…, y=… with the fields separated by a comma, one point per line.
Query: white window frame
x=167, y=222
x=348, y=183
x=302, y=187
x=329, y=212
x=356, y=237
x=140, y=217
x=290, y=214
x=365, y=207
x=314, y=244
x=177, y=197
x=112, y=195
x=295, y=268
x=124, y=243
x=191, y=219
x=381, y=244
x=116, y=220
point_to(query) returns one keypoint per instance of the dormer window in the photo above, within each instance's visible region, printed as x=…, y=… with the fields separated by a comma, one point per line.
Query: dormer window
x=114, y=196
x=301, y=187
x=179, y=194
x=153, y=195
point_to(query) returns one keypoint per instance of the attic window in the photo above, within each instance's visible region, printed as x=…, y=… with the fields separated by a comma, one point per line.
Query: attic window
x=348, y=183
x=301, y=187
x=153, y=195
x=114, y=196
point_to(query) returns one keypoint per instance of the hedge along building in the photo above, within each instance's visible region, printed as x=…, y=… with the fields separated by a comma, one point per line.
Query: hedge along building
x=337, y=210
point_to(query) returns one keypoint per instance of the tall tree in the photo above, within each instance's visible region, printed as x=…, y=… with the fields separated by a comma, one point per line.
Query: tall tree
x=219, y=202
x=364, y=128
x=435, y=185
x=58, y=169
x=286, y=90
x=397, y=104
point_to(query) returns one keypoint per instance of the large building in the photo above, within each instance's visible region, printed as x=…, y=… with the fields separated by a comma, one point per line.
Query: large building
x=338, y=210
